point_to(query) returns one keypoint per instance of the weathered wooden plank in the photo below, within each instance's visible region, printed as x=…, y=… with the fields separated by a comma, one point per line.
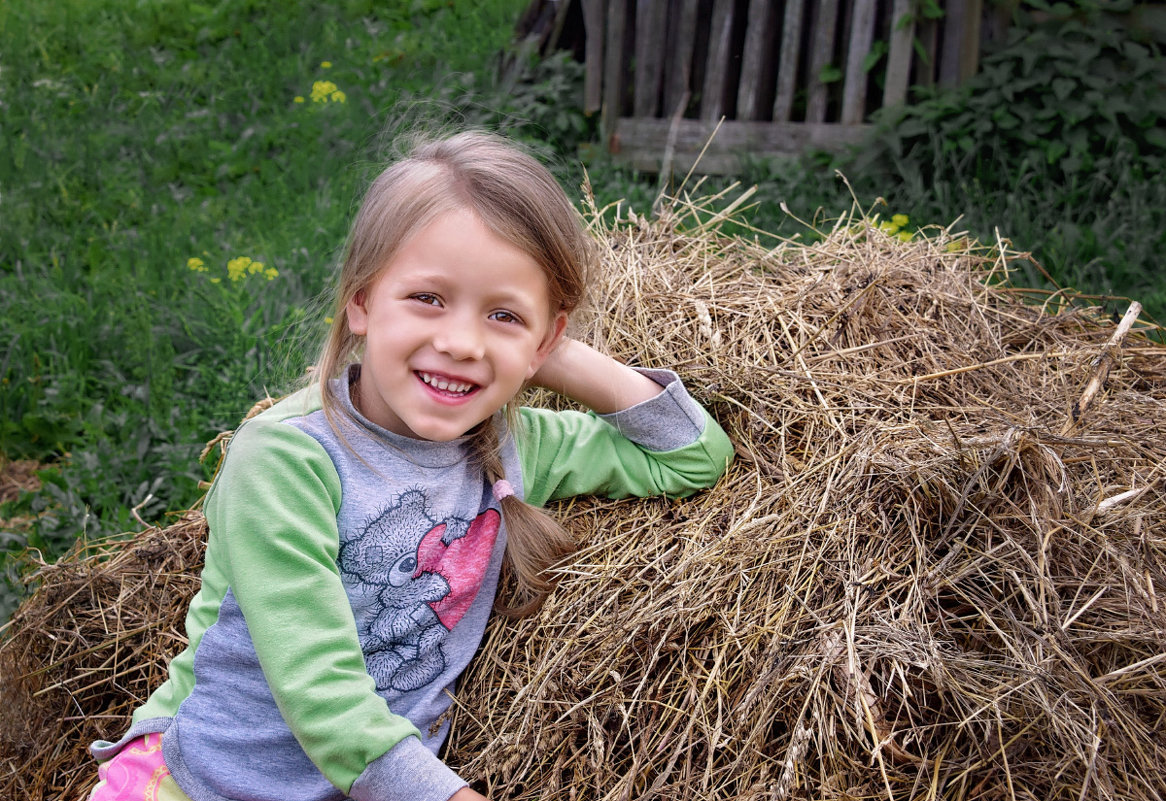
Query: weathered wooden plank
x=822, y=56
x=787, y=69
x=650, y=34
x=953, y=24
x=898, y=75
x=614, y=65
x=678, y=76
x=712, y=103
x=642, y=142
x=970, y=41
x=757, y=61
x=593, y=58
x=861, y=37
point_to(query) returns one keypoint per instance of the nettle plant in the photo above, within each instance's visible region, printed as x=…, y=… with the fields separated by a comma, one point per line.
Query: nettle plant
x=1071, y=99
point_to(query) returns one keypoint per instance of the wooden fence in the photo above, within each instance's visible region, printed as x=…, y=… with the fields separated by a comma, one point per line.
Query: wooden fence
x=769, y=77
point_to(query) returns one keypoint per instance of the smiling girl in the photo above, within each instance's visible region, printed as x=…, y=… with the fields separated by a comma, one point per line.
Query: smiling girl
x=358, y=528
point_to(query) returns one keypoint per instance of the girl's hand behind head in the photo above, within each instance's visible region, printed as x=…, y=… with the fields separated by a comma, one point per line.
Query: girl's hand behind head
x=594, y=379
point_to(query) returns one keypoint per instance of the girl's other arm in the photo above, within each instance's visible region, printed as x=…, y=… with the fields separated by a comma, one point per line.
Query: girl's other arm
x=466, y=794
x=594, y=379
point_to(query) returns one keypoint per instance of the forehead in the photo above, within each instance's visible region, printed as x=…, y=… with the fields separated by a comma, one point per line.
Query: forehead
x=457, y=248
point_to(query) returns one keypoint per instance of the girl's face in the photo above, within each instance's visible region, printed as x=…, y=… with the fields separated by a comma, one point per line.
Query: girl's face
x=454, y=326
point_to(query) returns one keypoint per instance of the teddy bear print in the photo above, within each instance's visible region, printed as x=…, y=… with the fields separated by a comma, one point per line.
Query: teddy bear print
x=415, y=576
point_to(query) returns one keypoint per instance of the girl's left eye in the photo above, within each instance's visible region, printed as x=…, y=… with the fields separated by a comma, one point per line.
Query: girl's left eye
x=426, y=297
x=506, y=317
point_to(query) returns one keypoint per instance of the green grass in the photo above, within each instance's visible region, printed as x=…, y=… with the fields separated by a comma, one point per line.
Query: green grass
x=138, y=136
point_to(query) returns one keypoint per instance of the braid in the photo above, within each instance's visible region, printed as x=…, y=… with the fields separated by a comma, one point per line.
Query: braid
x=535, y=540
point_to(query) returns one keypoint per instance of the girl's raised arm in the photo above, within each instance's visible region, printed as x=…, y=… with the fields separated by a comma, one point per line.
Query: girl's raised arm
x=594, y=379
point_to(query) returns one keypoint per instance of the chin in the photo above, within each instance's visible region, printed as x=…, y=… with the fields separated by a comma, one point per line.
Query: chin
x=439, y=432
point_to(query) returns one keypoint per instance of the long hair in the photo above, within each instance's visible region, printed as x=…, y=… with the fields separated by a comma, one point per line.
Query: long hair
x=518, y=199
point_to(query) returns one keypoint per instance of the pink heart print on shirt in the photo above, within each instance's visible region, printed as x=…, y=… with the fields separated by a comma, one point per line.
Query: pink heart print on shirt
x=461, y=562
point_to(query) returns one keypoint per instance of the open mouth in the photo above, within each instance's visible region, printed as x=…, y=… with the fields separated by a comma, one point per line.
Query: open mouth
x=446, y=385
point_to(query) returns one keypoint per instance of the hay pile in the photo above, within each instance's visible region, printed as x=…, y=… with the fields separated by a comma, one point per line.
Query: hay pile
x=937, y=568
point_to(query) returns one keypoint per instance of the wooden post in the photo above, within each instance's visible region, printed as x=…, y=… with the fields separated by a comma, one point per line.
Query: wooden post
x=650, y=31
x=712, y=103
x=861, y=37
x=961, y=41
x=614, y=69
x=970, y=42
x=787, y=70
x=593, y=75
x=899, y=57
x=822, y=56
x=757, y=63
x=678, y=77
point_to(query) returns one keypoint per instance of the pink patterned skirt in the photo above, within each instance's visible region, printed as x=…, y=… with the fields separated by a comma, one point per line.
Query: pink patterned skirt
x=137, y=773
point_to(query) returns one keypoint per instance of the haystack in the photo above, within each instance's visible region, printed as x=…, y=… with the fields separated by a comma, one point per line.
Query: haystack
x=937, y=568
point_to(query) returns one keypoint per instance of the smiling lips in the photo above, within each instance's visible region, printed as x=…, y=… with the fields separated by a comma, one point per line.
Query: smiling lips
x=445, y=384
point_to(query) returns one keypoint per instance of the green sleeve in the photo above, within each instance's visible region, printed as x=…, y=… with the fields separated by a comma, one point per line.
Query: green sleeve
x=273, y=512
x=573, y=453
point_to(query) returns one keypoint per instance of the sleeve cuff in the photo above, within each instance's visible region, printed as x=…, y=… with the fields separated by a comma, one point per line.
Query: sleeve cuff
x=407, y=772
x=666, y=422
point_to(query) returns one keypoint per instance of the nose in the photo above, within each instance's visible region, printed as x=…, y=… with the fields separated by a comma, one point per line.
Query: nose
x=461, y=338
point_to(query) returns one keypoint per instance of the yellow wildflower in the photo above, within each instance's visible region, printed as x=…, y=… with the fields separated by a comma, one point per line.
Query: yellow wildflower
x=326, y=64
x=196, y=264
x=328, y=321
x=237, y=268
x=271, y=273
x=900, y=219
x=298, y=99
x=321, y=90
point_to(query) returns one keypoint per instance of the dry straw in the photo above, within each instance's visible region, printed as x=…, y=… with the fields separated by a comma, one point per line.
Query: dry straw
x=937, y=568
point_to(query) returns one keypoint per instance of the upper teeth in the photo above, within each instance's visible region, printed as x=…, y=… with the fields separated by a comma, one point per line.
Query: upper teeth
x=445, y=384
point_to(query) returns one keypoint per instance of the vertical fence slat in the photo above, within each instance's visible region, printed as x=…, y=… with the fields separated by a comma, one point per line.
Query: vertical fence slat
x=757, y=63
x=822, y=56
x=861, y=37
x=613, y=65
x=678, y=80
x=954, y=21
x=970, y=41
x=899, y=55
x=593, y=74
x=712, y=104
x=787, y=70
x=650, y=30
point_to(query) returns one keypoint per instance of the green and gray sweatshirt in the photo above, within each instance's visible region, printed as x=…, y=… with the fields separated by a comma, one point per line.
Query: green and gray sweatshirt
x=348, y=581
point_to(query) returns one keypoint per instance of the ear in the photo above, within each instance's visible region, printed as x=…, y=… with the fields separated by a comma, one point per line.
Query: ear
x=551, y=341
x=357, y=312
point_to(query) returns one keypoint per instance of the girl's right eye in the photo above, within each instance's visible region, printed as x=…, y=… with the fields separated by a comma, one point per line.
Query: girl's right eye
x=427, y=298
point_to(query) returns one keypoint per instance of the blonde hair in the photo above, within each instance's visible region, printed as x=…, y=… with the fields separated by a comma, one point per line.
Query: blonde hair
x=519, y=200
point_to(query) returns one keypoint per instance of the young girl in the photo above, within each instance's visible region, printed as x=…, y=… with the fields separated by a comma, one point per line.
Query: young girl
x=358, y=527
